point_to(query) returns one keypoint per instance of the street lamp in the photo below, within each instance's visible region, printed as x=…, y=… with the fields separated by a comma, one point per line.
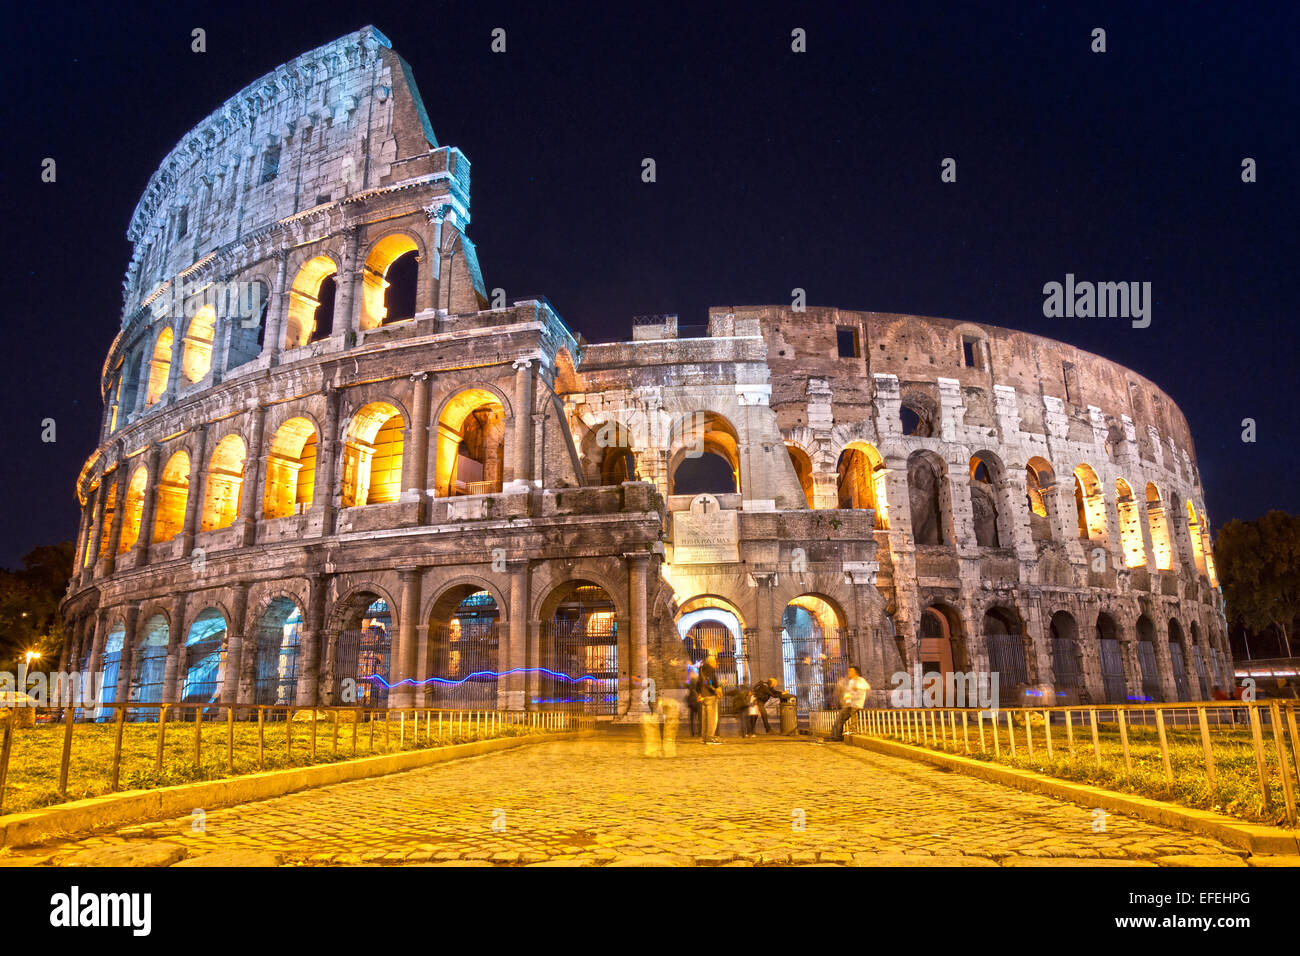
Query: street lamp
x=33, y=655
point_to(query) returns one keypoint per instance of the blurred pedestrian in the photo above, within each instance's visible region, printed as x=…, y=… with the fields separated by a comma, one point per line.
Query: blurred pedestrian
x=853, y=697
x=710, y=698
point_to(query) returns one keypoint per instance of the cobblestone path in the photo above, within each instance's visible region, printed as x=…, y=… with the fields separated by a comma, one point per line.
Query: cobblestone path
x=597, y=801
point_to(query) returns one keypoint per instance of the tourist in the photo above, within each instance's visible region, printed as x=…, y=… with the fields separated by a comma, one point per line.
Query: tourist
x=748, y=714
x=710, y=697
x=853, y=698
x=693, y=699
x=764, y=691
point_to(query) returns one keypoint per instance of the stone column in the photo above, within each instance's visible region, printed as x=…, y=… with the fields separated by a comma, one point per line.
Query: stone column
x=421, y=668
x=96, y=661
x=148, y=506
x=765, y=652
x=250, y=494
x=327, y=461
x=175, y=669
x=273, y=338
x=307, y=691
x=126, y=664
x=231, y=691
x=522, y=446
x=416, y=464
x=437, y=214
x=347, y=315
x=639, y=636
x=195, y=493
x=518, y=687
x=119, y=510
x=404, y=647
x=91, y=556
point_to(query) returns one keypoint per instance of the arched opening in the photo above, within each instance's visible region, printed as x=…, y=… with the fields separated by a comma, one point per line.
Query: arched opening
x=388, y=281
x=1039, y=479
x=942, y=648
x=196, y=354
x=290, y=469
x=278, y=633
x=160, y=367
x=129, y=391
x=984, y=502
x=225, y=484
x=1194, y=533
x=471, y=433
x=1178, y=660
x=860, y=477
x=311, y=303
x=814, y=652
x=464, y=649
x=718, y=631
x=1198, y=658
x=173, y=496
x=132, y=509
x=1146, y=646
x=1111, y=654
x=372, y=456
x=109, y=667
x=928, y=495
x=249, y=332
x=204, y=657
x=802, y=465
x=363, y=659
x=109, y=484
x=706, y=457
x=150, y=667
x=1004, y=639
x=1159, y=526
x=1130, y=526
x=918, y=416
x=579, y=651
x=1208, y=551
x=1089, y=505
x=1067, y=670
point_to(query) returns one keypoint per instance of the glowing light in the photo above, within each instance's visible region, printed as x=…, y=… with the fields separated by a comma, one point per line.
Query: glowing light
x=456, y=683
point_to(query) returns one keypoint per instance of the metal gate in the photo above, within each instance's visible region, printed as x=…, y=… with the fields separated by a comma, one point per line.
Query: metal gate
x=1180, y=670
x=581, y=656
x=815, y=660
x=365, y=658
x=1151, y=689
x=1199, y=658
x=463, y=659
x=1065, y=664
x=1112, y=671
x=1007, y=660
x=713, y=636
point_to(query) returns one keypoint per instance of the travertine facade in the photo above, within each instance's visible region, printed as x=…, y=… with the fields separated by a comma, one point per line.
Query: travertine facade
x=328, y=453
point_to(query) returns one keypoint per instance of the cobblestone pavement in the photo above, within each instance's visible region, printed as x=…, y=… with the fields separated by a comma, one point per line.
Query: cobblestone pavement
x=597, y=801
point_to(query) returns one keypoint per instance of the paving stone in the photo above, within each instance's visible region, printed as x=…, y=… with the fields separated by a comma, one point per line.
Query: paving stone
x=1273, y=861
x=1200, y=859
x=1072, y=861
x=156, y=853
x=234, y=858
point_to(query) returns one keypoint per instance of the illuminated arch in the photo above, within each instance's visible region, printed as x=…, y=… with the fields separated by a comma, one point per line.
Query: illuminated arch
x=150, y=666
x=196, y=354
x=372, y=456
x=1039, y=480
x=470, y=455
x=1194, y=533
x=160, y=366
x=1130, y=526
x=814, y=651
x=225, y=484
x=311, y=303
x=1158, y=522
x=464, y=647
x=290, y=469
x=389, y=281
x=860, y=481
x=204, y=657
x=173, y=496
x=802, y=465
x=1089, y=504
x=278, y=637
x=579, y=639
x=986, y=499
x=132, y=509
x=706, y=455
x=929, y=498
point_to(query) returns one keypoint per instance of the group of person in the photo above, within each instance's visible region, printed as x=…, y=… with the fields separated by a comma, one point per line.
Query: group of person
x=704, y=691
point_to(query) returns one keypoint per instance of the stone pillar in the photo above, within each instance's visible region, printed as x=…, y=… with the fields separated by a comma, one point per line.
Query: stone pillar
x=231, y=690
x=148, y=506
x=119, y=510
x=437, y=214
x=765, y=651
x=175, y=669
x=404, y=647
x=522, y=447
x=250, y=494
x=416, y=464
x=273, y=338
x=519, y=686
x=307, y=692
x=347, y=314
x=197, y=489
x=89, y=559
x=96, y=660
x=126, y=664
x=639, y=636
x=327, y=461
x=422, y=667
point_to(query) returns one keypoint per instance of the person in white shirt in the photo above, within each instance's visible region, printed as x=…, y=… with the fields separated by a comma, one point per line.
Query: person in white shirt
x=853, y=697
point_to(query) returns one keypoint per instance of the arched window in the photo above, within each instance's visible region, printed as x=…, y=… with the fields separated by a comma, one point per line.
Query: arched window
x=110, y=667
x=1194, y=533
x=579, y=650
x=705, y=457
x=1038, y=480
x=1207, y=550
x=173, y=495
x=1159, y=524
x=196, y=358
x=129, y=391
x=1089, y=505
x=311, y=303
x=225, y=484
x=984, y=502
x=927, y=489
x=1130, y=526
x=248, y=331
x=814, y=651
x=159, y=367
x=802, y=471
x=204, y=653
x=109, y=484
x=132, y=509
x=290, y=469
x=918, y=415
x=278, y=634
x=860, y=481
x=150, y=667
x=372, y=456
x=389, y=281
x=471, y=444
x=365, y=651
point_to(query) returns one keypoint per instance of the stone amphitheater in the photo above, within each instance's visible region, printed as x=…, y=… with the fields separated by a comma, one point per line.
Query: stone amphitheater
x=337, y=467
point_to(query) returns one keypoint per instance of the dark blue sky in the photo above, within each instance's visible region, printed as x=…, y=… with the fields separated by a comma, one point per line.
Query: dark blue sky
x=775, y=170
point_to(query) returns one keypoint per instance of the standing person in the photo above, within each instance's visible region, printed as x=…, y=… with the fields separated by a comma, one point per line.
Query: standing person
x=764, y=691
x=693, y=699
x=710, y=698
x=852, y=699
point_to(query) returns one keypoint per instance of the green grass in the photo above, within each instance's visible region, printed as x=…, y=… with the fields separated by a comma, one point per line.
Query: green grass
x=1237, y=791
x=33, y=777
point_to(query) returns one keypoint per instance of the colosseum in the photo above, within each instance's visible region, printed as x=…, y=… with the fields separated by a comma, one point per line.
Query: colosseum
x=337, y=466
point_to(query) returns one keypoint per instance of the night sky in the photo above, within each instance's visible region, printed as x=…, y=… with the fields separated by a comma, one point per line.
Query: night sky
x=775, y=170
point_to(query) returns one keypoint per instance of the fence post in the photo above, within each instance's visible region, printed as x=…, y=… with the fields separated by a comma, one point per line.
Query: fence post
x=162, y=733
x=1047, y=731
x=1288, y=795
x=1209, y=753
x=261, y=737
x=356, y=719
x=965, y=734
x=1257, y=738
x=67, y=749
x=1029, y=733
x=1295, y=738
x=120, y=722
x=1123, y=739
x=1011, y=733
x=288, y=734
x=6, y=748
x=1069, y=733
x=314, y=713
x=1096, y=741
x=1164, y=749
x=230, y=739
x=198, y=738
x=983, y=748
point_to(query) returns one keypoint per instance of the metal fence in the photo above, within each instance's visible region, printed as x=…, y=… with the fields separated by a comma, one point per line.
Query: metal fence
x=815, y=660
x=357, y=730
x=1275, y=739
x=580, y=661
x=463, y=660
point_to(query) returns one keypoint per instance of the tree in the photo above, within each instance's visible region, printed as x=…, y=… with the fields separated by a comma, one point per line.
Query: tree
x=1259, y=569
x=29, y=603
